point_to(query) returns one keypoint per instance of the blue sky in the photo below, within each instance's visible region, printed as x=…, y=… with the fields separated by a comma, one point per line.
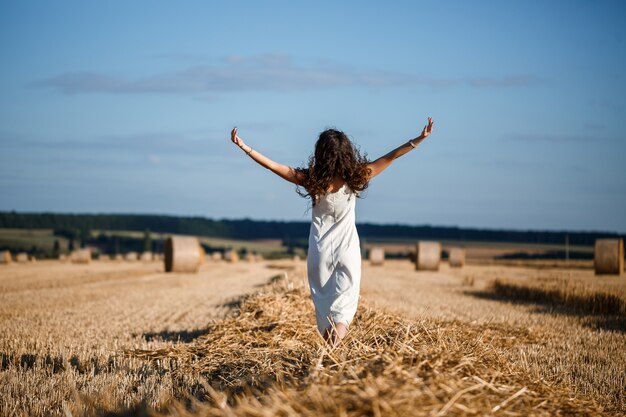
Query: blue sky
x=127, y=106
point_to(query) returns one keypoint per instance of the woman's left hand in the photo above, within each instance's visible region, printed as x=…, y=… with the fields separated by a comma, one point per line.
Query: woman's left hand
x=236, y=139
x=428, y=129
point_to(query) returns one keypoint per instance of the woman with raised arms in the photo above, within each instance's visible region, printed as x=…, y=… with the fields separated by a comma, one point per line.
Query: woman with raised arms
x=335, y=175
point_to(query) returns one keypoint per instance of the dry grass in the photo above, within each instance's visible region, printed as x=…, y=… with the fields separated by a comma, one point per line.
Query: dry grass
x=563, y=293
x=583, y=351
x=264, y=362
x=134, y=345
x=540, y=263
x=63, y=326
x=588, y=355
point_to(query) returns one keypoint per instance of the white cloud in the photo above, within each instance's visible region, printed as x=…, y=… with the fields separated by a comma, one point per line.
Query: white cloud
x=267, y=72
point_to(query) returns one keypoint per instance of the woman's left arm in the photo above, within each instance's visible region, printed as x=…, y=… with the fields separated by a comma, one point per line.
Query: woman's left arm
x=384, y=161
x=284, y=171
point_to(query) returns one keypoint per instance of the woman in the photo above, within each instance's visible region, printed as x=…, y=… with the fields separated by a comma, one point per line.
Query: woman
x=335, y=175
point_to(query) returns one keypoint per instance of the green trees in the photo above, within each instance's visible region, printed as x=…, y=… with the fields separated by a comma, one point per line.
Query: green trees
x=147, y=241
x=291, y=232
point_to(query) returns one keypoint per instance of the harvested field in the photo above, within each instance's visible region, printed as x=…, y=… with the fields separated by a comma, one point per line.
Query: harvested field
x=126, y=337
x=583, y=350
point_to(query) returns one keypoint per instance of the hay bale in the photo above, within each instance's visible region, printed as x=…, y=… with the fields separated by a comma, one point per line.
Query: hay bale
x=183, y=254
x=118, y=257
x=81, y=256
x=296, y=258
x=427, y=256
x=609, y=256
x=62, y=257
x=146, y=256
x=231, y=256
x=456, y=257
x=32, y=258
x=5, y=257
x=104, y=258
x=216, y=256
x=377, y=256
x=131, y=256
x=21, y=258
x=250, y=257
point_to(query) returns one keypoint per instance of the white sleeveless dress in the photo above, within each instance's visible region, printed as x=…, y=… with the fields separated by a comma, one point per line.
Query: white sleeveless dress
x=334, y=258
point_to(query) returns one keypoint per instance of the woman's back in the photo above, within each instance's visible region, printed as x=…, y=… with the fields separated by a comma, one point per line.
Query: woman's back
x=334, y=258
x=338, y=204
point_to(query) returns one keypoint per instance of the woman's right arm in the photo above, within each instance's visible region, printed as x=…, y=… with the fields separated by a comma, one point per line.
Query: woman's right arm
x=382, y=163
x=286, y=172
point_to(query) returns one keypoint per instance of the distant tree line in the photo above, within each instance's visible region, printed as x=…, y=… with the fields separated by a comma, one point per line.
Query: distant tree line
x=293, y=233
x=375, y=231
x=108, y=244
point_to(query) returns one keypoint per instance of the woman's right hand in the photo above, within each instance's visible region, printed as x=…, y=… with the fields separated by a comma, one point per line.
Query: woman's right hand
x=236, y=139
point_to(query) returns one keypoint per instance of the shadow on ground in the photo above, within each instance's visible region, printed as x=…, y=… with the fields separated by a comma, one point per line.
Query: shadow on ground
x=184, y=336
x=57, y=363
x=545, y=303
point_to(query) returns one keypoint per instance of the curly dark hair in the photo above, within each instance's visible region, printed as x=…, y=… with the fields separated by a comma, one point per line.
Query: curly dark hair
x=335, y=155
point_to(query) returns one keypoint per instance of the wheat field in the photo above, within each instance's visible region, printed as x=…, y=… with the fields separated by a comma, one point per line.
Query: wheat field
x=115, y=338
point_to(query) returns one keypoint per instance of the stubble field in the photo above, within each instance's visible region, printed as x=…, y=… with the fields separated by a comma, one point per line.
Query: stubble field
x=120, y=338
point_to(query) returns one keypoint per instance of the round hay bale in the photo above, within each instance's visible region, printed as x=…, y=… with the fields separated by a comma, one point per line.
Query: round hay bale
x=21, y=258
x=118, y=257
x=63, y=257
x=81, y=256
x=32, y=258
x=147, y=256
x=250, y=257
x=183, y=254
x=427, y=256
x=609, y=256
x=104, y=258
x=216, y=256
x=5, y=257
x=231, y=256
x=377, y=256
x=456, y=257
x=296, y=258
x=131, y=256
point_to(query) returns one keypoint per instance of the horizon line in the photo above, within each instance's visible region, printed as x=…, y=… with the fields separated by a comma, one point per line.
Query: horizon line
x=495, y=229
